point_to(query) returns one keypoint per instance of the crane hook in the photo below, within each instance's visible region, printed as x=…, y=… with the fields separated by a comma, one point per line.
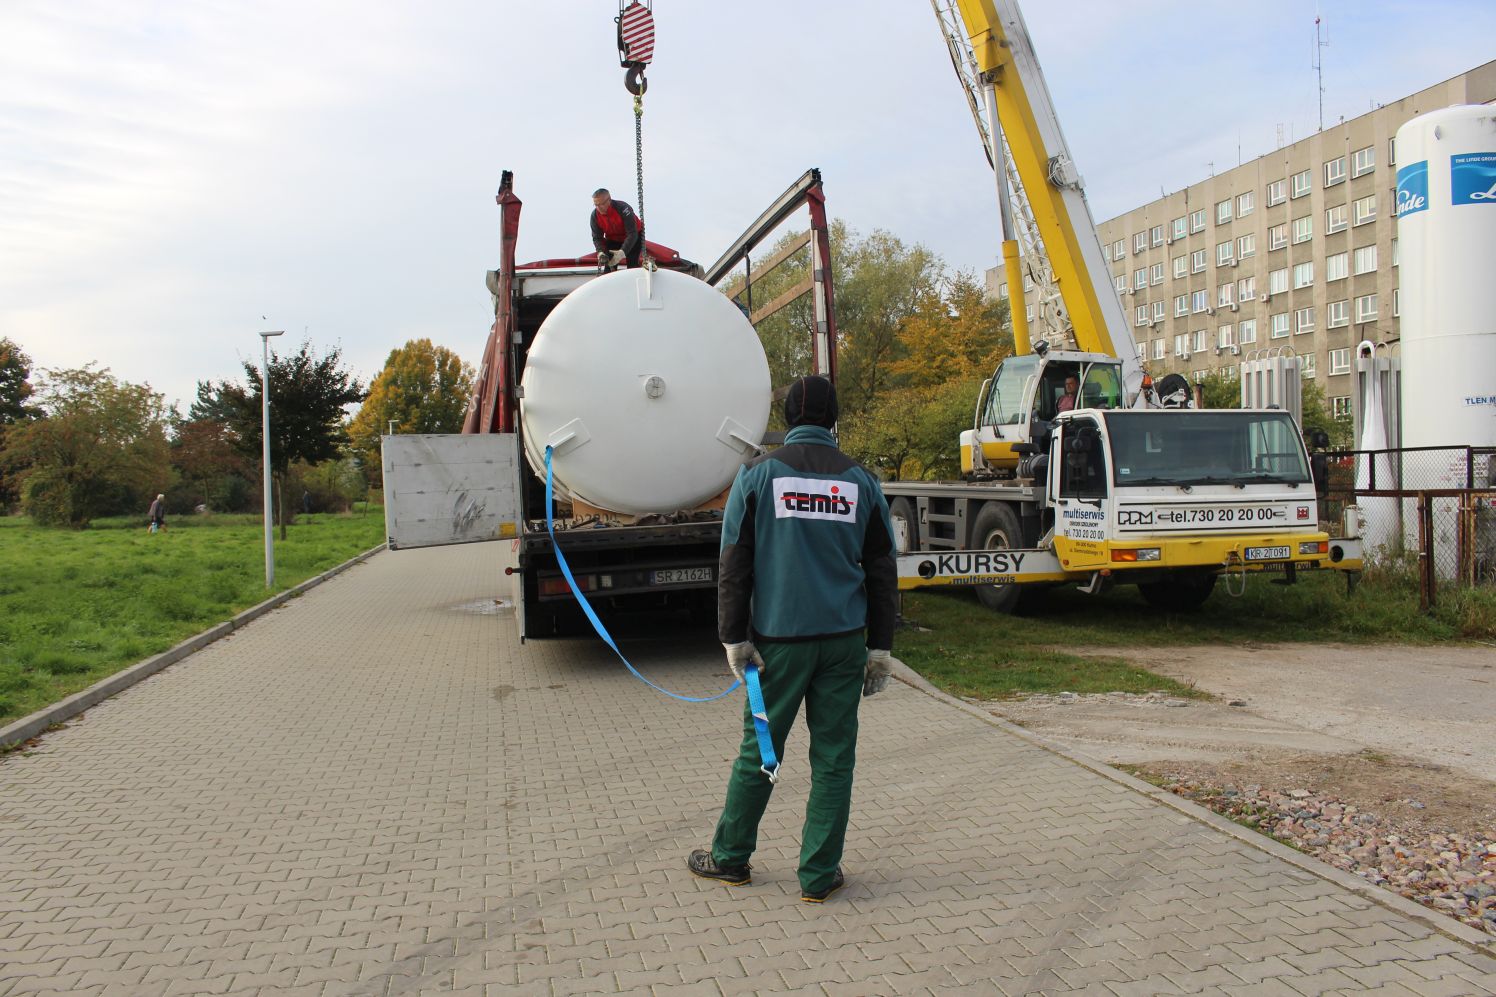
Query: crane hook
x=634, y=81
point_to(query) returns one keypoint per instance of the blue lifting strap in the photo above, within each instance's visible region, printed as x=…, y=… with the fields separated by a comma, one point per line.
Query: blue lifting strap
x=770, y=766
x=602, y=631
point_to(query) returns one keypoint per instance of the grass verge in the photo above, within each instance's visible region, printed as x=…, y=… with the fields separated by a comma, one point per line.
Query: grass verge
x=78, y=606
x=972, y=652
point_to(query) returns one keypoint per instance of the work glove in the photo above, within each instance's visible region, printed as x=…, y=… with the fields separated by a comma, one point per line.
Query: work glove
x=616, y=258
x=739, y=656
x=879, y=667
x=603, y=256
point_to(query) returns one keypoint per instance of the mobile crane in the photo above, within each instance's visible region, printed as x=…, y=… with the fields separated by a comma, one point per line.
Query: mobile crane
x=1122, y=483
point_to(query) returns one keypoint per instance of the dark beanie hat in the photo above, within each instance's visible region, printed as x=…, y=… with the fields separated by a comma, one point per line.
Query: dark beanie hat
x=811, y=402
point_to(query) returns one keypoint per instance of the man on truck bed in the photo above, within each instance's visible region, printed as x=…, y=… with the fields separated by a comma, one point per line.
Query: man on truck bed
x=807, y=574
x=616, y=228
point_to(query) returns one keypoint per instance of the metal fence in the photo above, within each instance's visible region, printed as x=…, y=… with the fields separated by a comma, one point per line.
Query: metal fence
x=1429, y=509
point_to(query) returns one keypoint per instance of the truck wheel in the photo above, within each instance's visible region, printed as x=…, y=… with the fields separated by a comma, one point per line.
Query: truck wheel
x=997, y=528
x=902, y=510
x=1184, y=593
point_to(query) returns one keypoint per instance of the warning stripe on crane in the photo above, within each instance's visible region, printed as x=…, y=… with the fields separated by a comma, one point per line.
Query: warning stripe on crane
x=637, y=29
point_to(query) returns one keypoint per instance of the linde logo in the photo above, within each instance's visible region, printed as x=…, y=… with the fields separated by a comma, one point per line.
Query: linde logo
x=815, y=498
x=1412, y=188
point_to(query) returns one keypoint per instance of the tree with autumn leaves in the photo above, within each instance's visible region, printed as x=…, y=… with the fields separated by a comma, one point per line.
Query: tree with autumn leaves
x=423, y=388
x=914, y=344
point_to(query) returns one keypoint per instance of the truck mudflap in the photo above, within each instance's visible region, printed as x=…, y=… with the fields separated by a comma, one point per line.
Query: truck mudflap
x=980, y=567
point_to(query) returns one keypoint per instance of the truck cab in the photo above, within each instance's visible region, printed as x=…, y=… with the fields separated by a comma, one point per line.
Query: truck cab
x=1021, y=401
x=1170, y=499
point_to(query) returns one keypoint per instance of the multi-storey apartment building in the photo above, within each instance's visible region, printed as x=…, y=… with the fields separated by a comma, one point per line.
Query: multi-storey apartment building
x=1296, y=249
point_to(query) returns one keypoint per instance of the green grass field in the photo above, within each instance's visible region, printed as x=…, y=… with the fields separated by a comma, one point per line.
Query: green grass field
x=969, y=651
x=77, y=606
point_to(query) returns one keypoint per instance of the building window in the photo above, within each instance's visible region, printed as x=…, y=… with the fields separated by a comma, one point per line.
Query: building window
x=1158, y=349
x=1366, y=308
x=1029, y=311
x=1002, y=292
x=1140, y=277
x=1106, y=251
x=1197, y=221
x=1223, y=211
x=1139, y=243
x=1156, y=235
x=1277, y=237
x=1335, y=171
x=1229, y=372
x=1277, y=281
x=1340, y=407
x=1245, y=203
x=1121, y=283
x=1275, y=193
x=1246, y=331
x=1119, y=249
x=1300, y=184
x=1142, y=351
x=1028, y=283
x=1246, y=246
x=1140, y=315
x=1396, y=304
x=1303, y=320
x=1339, y=316
x=1335, y=267
x=1246, y=289
x=1307, y=365
x=1200, y=301
x=1392, y=152
x=1176, y=228
x=1198, y=375
x=1365, y=209
x=1335, y=219
x=1197, y=340
x=1363, y=161
x=1394, y=252
x=1303, y=229
x=1182, y=305
x=1182, y=344
x=1159, y=307
x=1366, y=260
x=1224, y=337
x=1226, y=295
x=1156, y=274
x=1181, y=266
x=1225, y=252
x=1197, y=261
x=1340, y=361
x=1303, y=274
x=1280, y=325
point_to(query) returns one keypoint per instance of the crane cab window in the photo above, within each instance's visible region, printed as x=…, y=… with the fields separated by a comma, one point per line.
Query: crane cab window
x=1006, y=405
x=1101, y=388
x=1052, y=388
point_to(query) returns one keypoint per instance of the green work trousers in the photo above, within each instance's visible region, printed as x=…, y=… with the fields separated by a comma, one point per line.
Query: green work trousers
x=826, y=675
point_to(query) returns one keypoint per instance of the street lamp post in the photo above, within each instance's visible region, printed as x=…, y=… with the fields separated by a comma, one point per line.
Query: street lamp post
x=265, y=439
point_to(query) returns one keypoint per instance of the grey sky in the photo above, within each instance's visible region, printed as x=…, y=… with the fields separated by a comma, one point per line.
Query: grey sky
x=169, y=173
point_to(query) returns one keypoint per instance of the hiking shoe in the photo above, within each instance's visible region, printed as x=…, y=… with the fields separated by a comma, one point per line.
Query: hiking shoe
x=702, y=864
x=819, y=896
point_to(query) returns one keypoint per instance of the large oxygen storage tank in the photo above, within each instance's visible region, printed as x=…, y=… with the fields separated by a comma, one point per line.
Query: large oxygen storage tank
x=651, y=387
x=1446, y=231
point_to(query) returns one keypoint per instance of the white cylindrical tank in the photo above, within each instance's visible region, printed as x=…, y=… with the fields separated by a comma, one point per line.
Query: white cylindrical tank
x=651, y=387
x=1446, y=232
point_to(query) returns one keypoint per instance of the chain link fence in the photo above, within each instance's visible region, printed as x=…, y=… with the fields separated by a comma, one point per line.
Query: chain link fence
x=1430, y=509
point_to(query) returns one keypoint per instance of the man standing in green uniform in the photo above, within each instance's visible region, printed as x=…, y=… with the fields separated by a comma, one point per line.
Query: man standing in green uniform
x=808, y=592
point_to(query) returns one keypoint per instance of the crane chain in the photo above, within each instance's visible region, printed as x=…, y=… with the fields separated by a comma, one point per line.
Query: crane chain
x=639, y=149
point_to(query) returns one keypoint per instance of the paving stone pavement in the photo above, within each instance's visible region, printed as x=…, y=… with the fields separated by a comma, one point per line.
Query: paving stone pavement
x=376, y=789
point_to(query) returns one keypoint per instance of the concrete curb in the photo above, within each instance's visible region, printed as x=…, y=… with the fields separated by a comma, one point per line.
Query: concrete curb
x=1446, y=926
x=37, y=723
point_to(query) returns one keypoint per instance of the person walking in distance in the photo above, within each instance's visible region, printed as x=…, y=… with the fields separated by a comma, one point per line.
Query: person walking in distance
x=157, y=515
x=807, y=593
x=617, y=231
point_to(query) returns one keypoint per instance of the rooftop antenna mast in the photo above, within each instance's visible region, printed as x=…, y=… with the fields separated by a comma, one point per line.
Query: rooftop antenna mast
x=1321, y=41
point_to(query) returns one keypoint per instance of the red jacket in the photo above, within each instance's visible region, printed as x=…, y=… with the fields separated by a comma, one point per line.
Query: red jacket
x=619, y=224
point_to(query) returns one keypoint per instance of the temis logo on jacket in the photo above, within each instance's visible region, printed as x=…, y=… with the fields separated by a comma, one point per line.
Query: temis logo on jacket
x=815, y=498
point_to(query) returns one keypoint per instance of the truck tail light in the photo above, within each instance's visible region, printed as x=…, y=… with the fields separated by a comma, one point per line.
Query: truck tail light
x=558, y=586
x=1315, y=547
x=1136, y=553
